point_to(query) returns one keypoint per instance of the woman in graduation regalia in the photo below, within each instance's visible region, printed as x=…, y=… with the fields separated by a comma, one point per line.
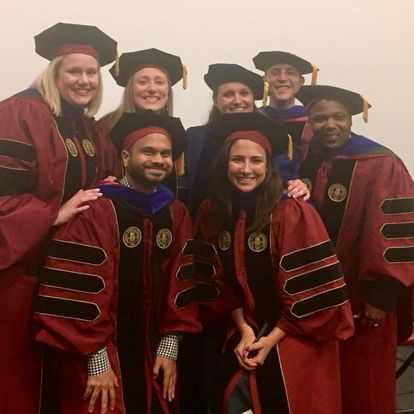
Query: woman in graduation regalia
x=50, y=151
x=275, y=267
x=235, y=89
x=147, y=77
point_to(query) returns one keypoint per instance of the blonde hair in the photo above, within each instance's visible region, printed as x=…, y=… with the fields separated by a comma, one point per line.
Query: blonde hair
x=128, y=103
x=46, y=85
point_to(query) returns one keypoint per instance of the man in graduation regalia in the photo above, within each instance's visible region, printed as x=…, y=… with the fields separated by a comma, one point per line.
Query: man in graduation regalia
x=116, y=290
x=283, y=76
x=366, y=199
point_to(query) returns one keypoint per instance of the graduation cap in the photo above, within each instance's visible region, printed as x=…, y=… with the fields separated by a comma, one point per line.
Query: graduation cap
x=65, y=38
x=130, y=62
x=356, y=103
x=252, y=126
x=241, y=125
x=264, y=60
x=219, y=73
x=133, y=126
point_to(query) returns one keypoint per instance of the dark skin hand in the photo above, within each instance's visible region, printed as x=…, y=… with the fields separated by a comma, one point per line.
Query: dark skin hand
x=370, y=316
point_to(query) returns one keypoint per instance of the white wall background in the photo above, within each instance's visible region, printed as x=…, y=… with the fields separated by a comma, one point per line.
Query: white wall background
x=366, y=46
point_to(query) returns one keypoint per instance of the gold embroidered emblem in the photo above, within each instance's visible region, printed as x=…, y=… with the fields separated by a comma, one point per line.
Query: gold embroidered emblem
x=224, y=240
x=308, y=183
x=257, y=242
x=70, y=145
x=337, y=192
x=163, y=238
x=88, y=147
x=132, y=237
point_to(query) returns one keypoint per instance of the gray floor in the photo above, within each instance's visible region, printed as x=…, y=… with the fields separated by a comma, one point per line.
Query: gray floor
x=405, y=384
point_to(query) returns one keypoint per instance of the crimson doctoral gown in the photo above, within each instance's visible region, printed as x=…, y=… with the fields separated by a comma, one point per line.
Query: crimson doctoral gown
x=287, y=275
x=44, y=160
x=118, y=276
x=366, y=199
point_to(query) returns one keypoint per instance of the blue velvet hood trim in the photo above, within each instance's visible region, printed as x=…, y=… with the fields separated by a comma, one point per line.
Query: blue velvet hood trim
x=148, y=204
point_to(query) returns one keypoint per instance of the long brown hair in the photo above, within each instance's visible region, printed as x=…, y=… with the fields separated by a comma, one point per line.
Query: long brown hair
x=222, y=191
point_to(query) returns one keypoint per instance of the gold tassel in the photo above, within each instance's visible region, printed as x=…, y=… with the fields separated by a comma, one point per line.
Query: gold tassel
x=184, y=77
x=179, y=165
x=116, y=63
x=265, y=92
x=290, y=148
x=314, y=74
x=365, y=106
x=170, y=103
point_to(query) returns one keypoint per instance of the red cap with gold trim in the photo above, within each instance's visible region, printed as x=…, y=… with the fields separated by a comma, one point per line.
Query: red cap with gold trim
x=133, y=126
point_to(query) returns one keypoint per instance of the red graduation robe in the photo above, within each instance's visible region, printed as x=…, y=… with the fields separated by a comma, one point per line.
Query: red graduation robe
x=366, y=198
x=44, y=160
x=118, y=278
x=303, y=293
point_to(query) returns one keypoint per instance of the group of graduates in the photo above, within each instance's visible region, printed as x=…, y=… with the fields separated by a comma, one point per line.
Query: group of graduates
x=260, y=262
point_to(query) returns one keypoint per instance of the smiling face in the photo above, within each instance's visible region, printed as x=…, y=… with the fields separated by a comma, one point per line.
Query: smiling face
x=234, y=97
x=284, y=83
x=78, y=79
x=246, y=165
x=147, y=162
x=331, y=122
x=151, y=86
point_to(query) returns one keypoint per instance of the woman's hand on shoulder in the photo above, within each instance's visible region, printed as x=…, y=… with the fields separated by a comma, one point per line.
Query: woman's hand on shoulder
x=76, y=205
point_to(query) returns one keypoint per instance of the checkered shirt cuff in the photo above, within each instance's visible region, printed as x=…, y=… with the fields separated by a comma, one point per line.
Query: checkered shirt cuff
x=168, y=346
x=98, y=362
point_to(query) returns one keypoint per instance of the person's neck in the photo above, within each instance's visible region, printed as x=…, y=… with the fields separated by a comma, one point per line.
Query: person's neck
x=326, y=151
x=70, y=111
x=281, y=104
x=141, y=187
x=162, y=111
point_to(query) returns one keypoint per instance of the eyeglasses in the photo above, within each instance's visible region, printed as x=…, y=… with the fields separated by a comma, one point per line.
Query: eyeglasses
x=291, y=72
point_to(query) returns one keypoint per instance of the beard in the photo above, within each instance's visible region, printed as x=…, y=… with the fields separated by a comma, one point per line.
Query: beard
x=142, y=177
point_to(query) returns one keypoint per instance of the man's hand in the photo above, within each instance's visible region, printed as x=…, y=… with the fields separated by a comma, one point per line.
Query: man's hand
x=370, y=316
x=168, y=367
x=101, y=385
